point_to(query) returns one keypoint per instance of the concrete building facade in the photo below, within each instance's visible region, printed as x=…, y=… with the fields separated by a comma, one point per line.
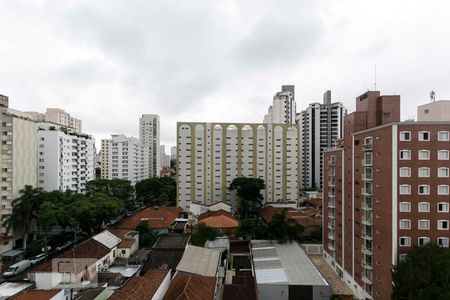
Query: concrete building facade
x=434, y=111
x=165, y=158
x=122, y=157
x=18, y=165
x=321, y=125
x=66, y=159
x=149, y=136
x=387, y=191
x=211, y=155
x=283, y=109
x=57, y=116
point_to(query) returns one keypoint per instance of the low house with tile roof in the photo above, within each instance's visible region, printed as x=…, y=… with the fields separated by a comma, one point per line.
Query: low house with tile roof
x=197, y=208
x=186, y=286
x=41, y=295
x=79, y=265
x=159, y=219
x=129, y=242
x=224, y=221
x=310, y=218
x=152, y=286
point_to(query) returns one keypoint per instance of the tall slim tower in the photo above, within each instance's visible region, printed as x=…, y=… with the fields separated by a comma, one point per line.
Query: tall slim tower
x=283, y=109
x=149, y=136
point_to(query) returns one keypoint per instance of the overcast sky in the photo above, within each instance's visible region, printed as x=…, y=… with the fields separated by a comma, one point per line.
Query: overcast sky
x=108, y=62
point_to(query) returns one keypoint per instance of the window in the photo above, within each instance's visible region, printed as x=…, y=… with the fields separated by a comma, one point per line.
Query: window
x=424, y=154
x=424, y=189
x=424, y=135
x=442, y=154
x=405, y=189
x=405, y=224
x=405, y=154
x=442, y=207
x=368, y=158
x=405, y=207
x=424, y=224
x=422, y=241
x=405, y=172
x=424, y=207
x=405, y=241
x=443, y=136
x=405, y=136
x=442, y=242
x=442, y=224
x=442, y=189
x=424, y=172
x=442, y=172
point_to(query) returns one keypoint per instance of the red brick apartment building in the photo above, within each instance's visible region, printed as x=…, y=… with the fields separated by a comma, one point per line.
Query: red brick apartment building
x=386, y=189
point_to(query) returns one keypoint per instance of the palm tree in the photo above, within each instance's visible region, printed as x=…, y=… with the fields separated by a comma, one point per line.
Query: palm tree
x=24, y=211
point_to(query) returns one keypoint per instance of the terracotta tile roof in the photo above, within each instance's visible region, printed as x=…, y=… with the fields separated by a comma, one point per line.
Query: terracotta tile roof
x=242, y=287
x=305, y=217
x=37, y=295
x=120, y=233
x=126, y=243
x=191, y=287
x=218, y=219
x=162, y=217
x=141, y=288
x=317, y=202
x=87, y=249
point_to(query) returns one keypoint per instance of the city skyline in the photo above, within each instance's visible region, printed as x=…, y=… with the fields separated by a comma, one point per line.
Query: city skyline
x=84, y=61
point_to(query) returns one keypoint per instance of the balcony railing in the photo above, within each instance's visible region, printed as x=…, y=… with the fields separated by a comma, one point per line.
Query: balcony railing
x=331, y=236
x=366, y=191
x=366, y=162
x=331, y=183
x=366, y=265
x=367, y=146
x=331, y=226
x=331, y=204
x=366, y=250
x=367, y=277
x=366, y=204
x=366, y=220
x=366, y=176
x=331, y=247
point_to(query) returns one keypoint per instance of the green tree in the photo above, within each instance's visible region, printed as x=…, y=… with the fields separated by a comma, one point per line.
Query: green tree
x=249, y=193
x=203, y=233
x=284, y=229
x=24, y=211
x=148, y=190
x=424, y=274
x=163, y=198
x=147, y=237
x=60, y=204
x=118, y=188
x=169, y=187
x=251, y=229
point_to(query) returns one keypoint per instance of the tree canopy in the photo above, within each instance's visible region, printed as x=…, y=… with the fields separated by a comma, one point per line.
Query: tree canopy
x=249, y=193
x=151, y=190
x=118, y=188
x=424, y=274
x=203, y=233
x=284, y=229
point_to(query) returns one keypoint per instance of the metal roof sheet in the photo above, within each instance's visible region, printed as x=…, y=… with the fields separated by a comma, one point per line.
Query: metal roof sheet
x=107, y=239
x=201, y=261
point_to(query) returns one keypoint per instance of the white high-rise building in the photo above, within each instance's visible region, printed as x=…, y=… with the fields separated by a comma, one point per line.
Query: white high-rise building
x=18, y=165
x=122, y=158
x=57, y=116
x=149, y=136
x=283, y=109
x=321, y=125
x=173, y=152
x=211, y=155
x=66, y=159
x=165, y=158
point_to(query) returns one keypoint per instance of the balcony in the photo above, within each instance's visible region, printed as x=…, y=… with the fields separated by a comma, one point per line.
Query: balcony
x=331, y=162
x=367, y=146
x=366, y=204
x=331, y=173
x=366, y=250
x=331, y=204
x=366, y=278
x=366, y=220
x=366, y=191
x=331, y=183
x=331, y=236
x=366, y=265
x=331, y=226
x=331, y=247
x=366, y=162
x=366, y=176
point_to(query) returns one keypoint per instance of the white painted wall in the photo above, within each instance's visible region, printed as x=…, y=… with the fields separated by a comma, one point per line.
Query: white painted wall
x=161, y=291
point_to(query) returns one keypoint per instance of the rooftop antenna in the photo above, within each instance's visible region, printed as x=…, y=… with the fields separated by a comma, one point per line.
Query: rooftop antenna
x=375, y=79
x=432, y=96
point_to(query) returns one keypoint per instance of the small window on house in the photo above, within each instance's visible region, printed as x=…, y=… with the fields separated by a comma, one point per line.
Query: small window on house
x=405, y=224
x=443, y=136
x=424, y=154
x=442, y=154
x=405, y=241
x=405, y=189
x=442, y=189
x=424, y=207
x=443, y=172
x=405, y=206
x=422, y=241
x=424, y=172
x=405, y=154
x=442, y=242
x=424, y=224
x=424, y=135
x=405, y=172
x=424, y=189
x=405, y=136
x=442, y=224
x=442, y=207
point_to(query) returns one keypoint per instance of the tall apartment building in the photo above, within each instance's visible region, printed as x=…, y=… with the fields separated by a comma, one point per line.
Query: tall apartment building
x=283, y=109
x=66, y=159
x=18, y=165
x=165, y=158
x=149, y=136
x=173, y=153
x=321, y=125
x=57, y=116
x=211, y=155
x=4, y=101
x=434, y=111
x=387, y=191
x=122, y=158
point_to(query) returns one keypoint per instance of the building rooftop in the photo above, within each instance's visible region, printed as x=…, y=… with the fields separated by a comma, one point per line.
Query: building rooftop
x=172, y=241
x=90, y=294
x=107, y=239
x=162, y=217
x=242, y=287
x=201, y=261
x=191, y=287
x=163, y=257
x=141, y=288
x=284, y=263
x=238, y=246
x=37, y=295
x=218, y=219
x=9, y=289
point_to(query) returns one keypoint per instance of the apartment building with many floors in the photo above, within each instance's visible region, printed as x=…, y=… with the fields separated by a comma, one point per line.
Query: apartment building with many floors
x=18, y=165
x=211, y=155
x=387, y=190
x=66, y=159
x=149, y=136
x=122, y=158
x=283, y=108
